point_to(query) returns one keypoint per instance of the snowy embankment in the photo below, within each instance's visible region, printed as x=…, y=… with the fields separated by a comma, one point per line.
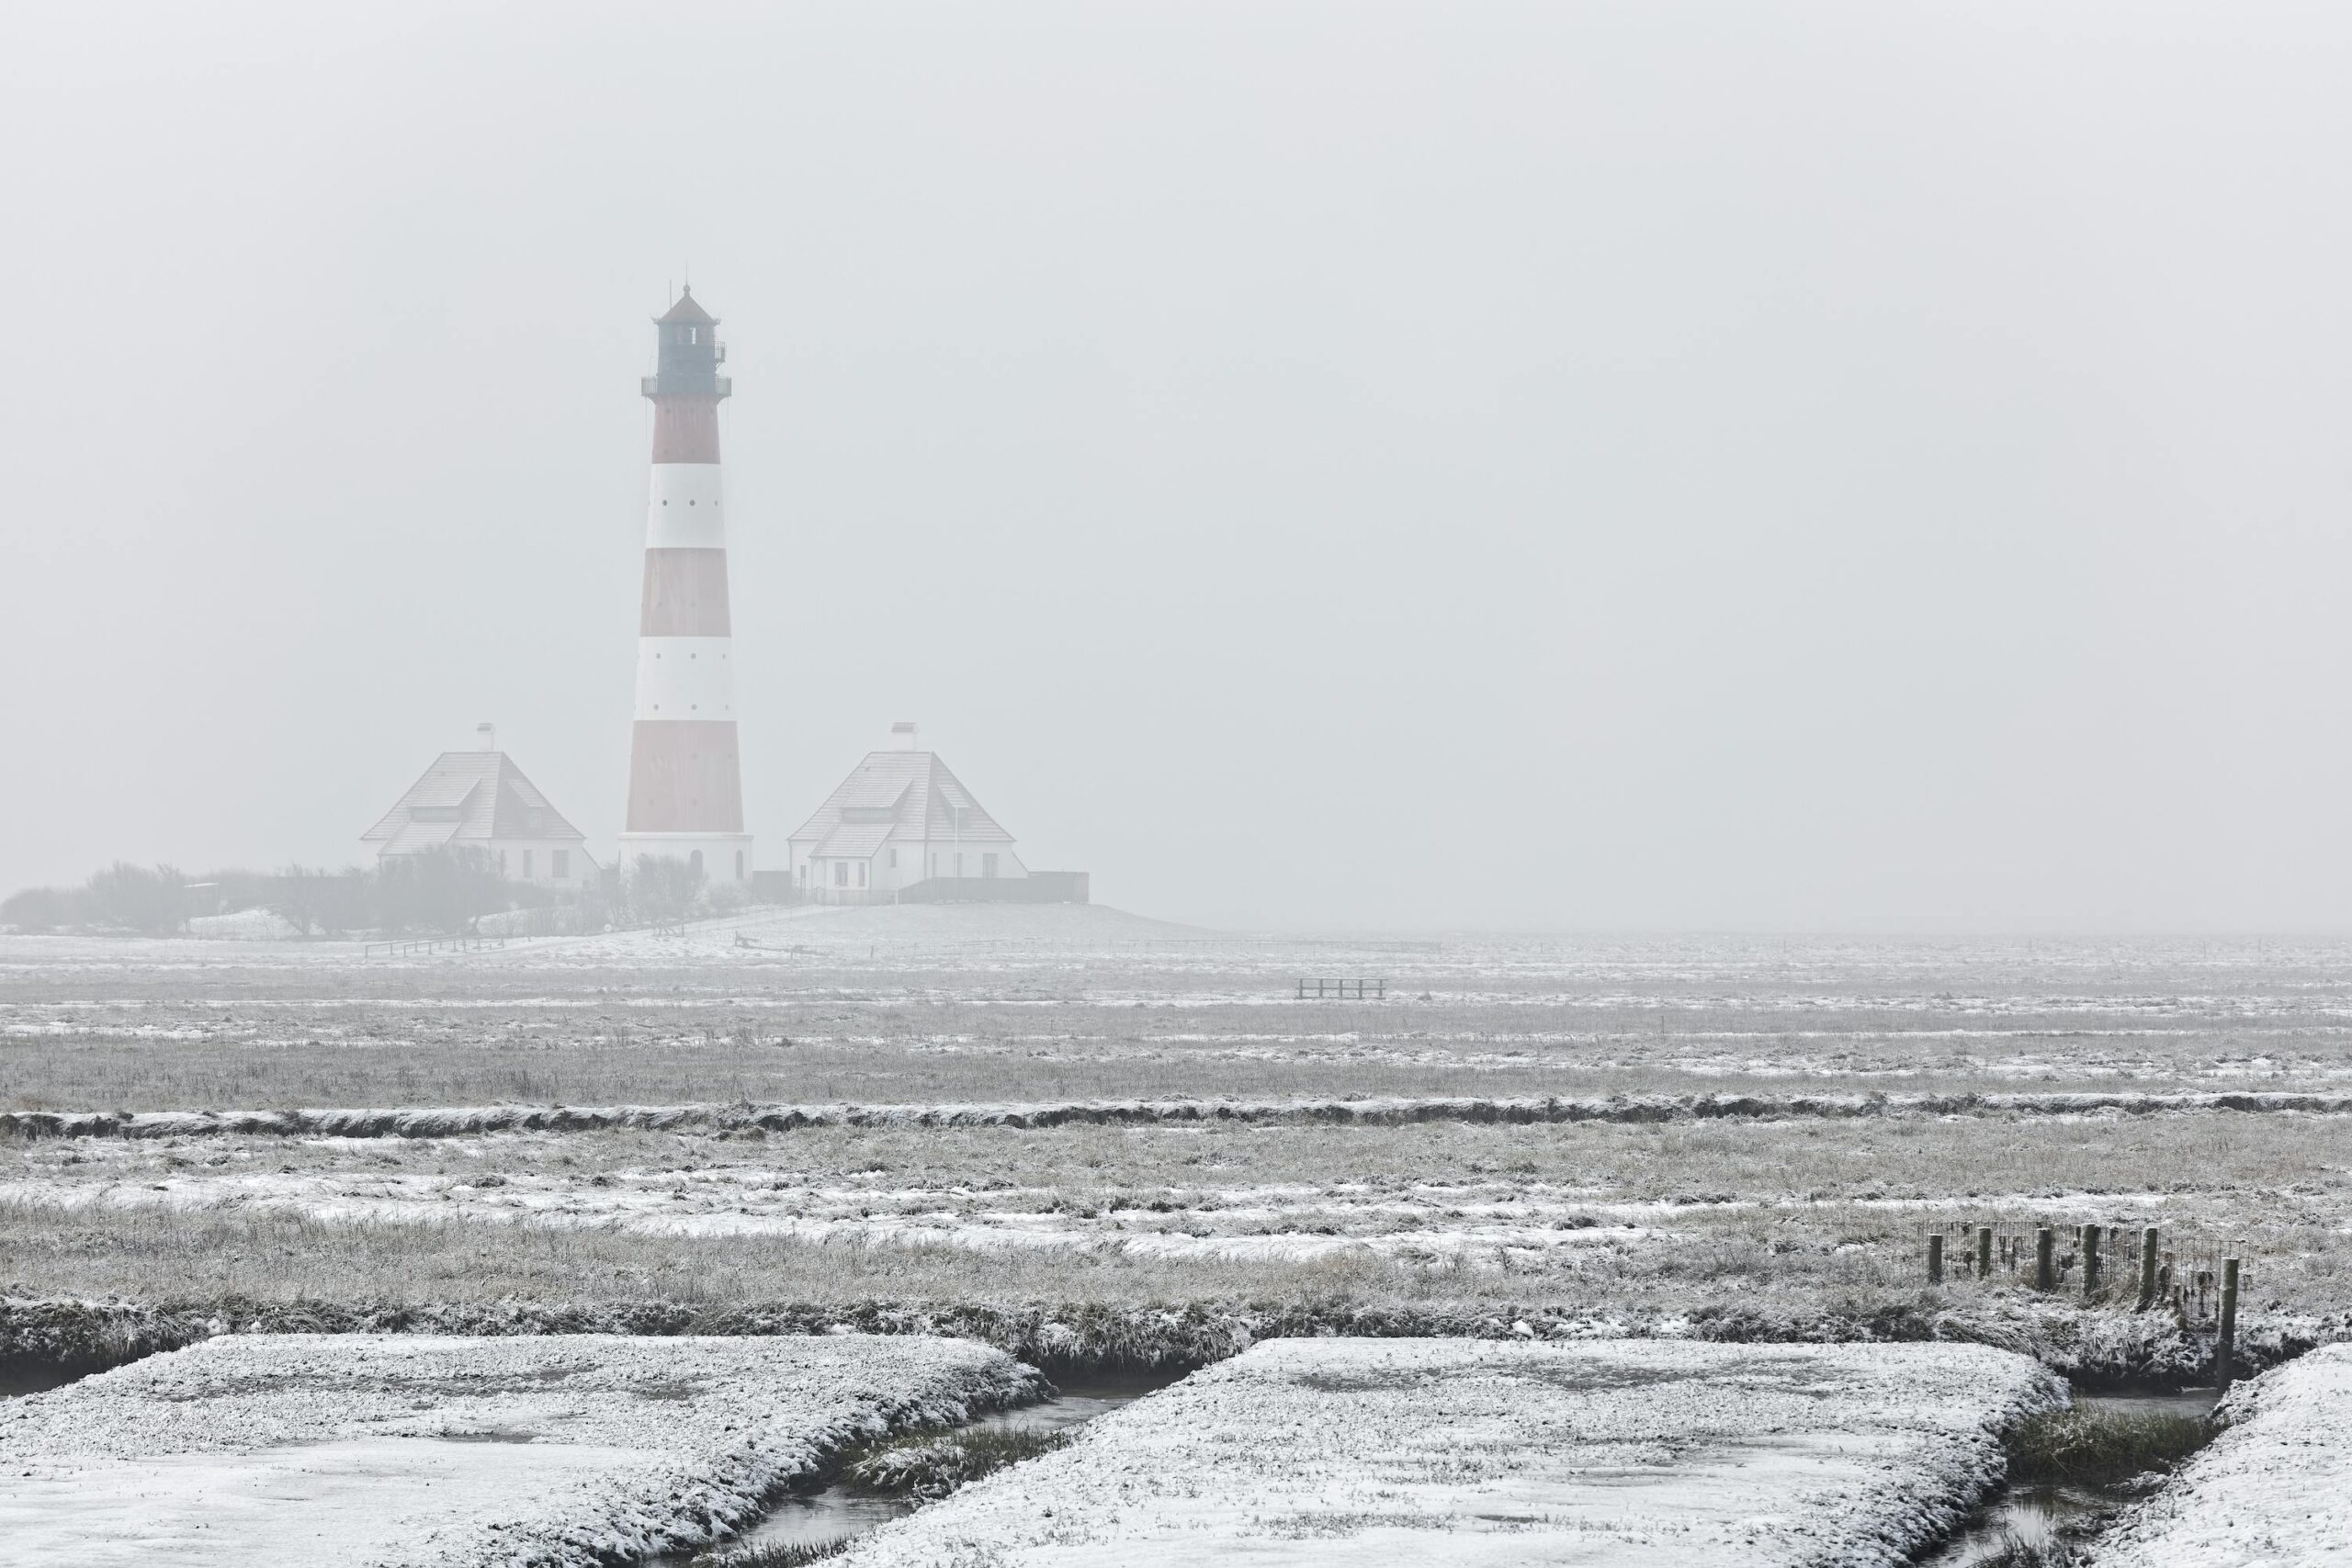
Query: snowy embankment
x=2100, y=1347
x=393, y=1450
x=2273, y=1491
x=1459, y=1452
x=1372, y=1111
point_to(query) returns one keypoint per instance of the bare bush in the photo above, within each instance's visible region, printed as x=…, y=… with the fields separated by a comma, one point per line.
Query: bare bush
x=45, y=908
x=662, y=889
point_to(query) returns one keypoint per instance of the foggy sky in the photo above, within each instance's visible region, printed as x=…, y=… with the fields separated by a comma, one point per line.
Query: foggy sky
x=1740, y=466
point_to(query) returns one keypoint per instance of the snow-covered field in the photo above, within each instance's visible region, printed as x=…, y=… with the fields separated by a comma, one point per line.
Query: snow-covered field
x=2273, y=1491
x=394, y=1450
x=1046, y=1108
x=1350, y=1451
x=945, y=1003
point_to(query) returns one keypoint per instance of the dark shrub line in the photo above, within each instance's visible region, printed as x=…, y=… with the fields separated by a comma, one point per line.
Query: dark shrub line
x=461, y=1121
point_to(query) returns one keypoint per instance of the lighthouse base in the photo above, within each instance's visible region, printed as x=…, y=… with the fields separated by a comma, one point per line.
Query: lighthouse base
x=720, y=857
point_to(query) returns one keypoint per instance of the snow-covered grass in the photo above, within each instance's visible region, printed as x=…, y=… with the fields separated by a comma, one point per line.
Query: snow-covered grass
x=2273, y=1491
x=921, y=1113
x=401, y=1451
x=1451, y=1451
x=1634, y=1217
x=967, y=1004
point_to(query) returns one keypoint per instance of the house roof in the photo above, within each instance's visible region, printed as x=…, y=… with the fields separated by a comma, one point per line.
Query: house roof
x=468, y=797
x=898, y=798
x=686, y=310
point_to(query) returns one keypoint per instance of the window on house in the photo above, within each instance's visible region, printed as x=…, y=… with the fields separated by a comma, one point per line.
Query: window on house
x=800, y=873
x=988, y=866
x=840, y=874
x=560, y=864
x=861, y=872
x=501, y=863
x=527, y=865
x=738, y=865
x=894, y=859
x=694, y=864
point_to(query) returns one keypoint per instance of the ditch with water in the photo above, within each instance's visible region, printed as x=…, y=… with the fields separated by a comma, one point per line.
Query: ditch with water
x=819, y=1517
x=2035, y=1515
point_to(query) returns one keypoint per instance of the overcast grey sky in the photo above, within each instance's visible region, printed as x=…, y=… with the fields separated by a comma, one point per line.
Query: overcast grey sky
x=1771, y=466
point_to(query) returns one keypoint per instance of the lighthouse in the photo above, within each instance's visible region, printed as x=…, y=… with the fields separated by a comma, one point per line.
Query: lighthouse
x=686, y=786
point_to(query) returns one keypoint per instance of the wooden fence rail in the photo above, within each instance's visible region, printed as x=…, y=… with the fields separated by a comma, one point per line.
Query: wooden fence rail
x=1344, y=990
x=407, y=946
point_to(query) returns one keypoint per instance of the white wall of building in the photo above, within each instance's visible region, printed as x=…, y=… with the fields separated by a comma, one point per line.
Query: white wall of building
x=545, y=862
x=914, y=863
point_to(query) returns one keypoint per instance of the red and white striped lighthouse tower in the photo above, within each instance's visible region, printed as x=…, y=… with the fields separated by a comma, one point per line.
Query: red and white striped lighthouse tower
x=685, y=785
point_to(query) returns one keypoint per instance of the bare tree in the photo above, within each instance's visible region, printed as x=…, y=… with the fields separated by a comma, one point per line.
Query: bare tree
x=150, y=899
x=312, y=899
x=441, y=890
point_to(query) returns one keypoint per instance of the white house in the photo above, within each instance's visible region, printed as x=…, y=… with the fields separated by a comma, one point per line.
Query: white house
x=899, y=820
x=480, y=798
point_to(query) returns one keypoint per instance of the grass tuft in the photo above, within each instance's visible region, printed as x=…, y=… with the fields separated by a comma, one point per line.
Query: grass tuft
x=788, y=1554
x=2096, y=1446
x=2015, y=1550
x=933, y=1465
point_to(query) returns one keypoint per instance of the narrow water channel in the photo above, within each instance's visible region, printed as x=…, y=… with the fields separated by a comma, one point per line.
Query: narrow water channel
x=22, y=1380
x=836, y=1514
x=2035, y=1513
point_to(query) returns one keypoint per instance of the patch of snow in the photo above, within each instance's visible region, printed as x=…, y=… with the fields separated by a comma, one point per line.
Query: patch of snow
x=395, y=1451
x=1447, y=1451
x=245, y=925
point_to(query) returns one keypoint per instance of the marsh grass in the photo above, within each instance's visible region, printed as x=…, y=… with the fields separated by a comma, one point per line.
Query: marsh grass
x=932, y=1465
x=1825, y=1212
x=106, y=1025
x=2015, y=1551
x=2101, y=1446
x=786, y=1554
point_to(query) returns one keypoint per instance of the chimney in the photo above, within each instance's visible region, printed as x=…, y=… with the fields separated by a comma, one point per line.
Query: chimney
x=902, y=734
x=485, y=738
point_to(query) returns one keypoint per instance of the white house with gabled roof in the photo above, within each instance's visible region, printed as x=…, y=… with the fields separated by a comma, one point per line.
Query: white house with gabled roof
x=900, y=819
x=479, y=798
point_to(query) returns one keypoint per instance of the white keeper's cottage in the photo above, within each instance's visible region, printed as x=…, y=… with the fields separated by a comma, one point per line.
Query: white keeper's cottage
x=480, y=798
x=902, y=825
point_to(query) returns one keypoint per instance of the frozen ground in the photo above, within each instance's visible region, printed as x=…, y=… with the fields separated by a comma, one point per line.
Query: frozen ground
x=2273, y=1491
x=1461, y=1452
x=964, y=1003
x=395, y=1451
x=919, y=1177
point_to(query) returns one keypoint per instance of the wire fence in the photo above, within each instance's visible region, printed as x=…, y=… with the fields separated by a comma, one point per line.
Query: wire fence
x=2106, y=1262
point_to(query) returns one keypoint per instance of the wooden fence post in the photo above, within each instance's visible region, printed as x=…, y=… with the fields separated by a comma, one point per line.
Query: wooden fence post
x=1936, y=1258
x=2147, y=1268
x=2090, y=1262
x=2225, y=1346
x=2045, y=1261
x=1984, y=1252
